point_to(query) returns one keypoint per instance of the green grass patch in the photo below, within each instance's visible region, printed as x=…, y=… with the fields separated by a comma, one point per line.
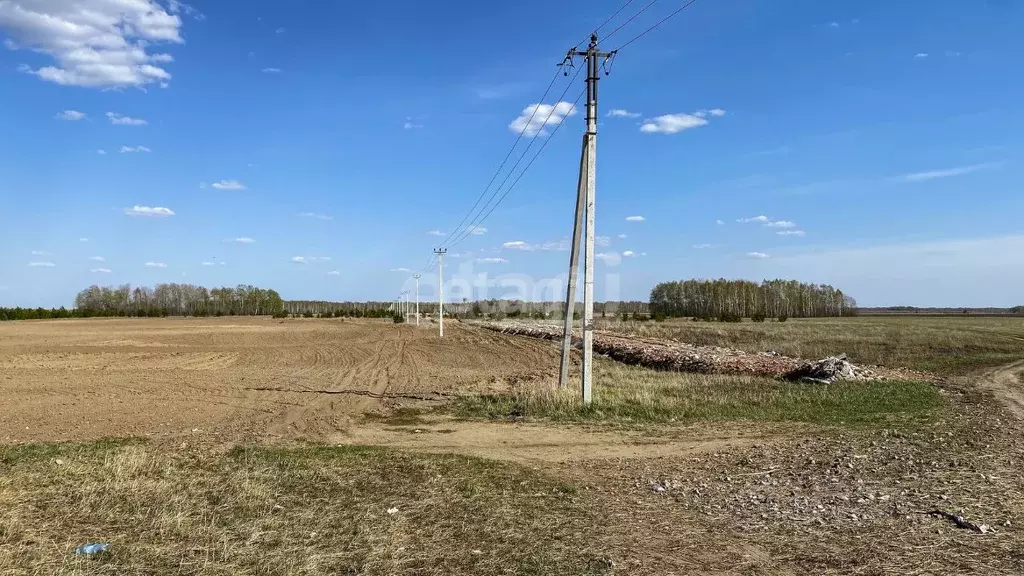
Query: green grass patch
x=310, y=511
x=625, y=394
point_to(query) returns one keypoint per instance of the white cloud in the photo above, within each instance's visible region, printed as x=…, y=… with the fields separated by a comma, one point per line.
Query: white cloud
x=334, y=273
x=101, y=152
x=155, y=211
x=316, y=216
x=674, y=123
x=833, y=24
x=155, y=265
x=71, y=115
x=410, y=125
x=83, y=239
x=762, y=219
x=758, y=255
x=100, y=270
x=635, y=218
x=400, y=270
x=492, y=260
x=120, y=120
x=536, y=117
x=603, y=241
x=271, y=70
x=622, y=236
x=628, y=253
x=93, y=43
x=97, y=258
x=243, y=240
x=207, y=264
x=609, y=258
x=781, y=224
x=791, y=233
x=543, y=247
x=516, y=245
x=280, y=30
x=228, y=185
x=308, y=259
x=703, y=246
x=41, y=264
x=921, y=55
x=435, y=233
x=720, y=222
x=129, y=149
x=477, y=230
x=40, y=253
x=946, y=173
x=620, y=113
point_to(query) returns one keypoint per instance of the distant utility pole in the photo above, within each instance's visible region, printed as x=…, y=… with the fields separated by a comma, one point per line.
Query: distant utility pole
x=440, y=289
x=588, y=165
x=417, y=278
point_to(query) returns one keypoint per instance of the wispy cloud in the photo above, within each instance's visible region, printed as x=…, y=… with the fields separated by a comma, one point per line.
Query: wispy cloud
x=207, y=264
x=410, y=125
x=155, y=265
x=280, y=30
x=535, y=117
x=628, y=253
x=435, y=233
x=757, y=255
x=492, y=260
x=833, y=24
x=791, y=233
x=148, y=211
x=100, y=270
x=308, y=259
x=131, y=149
x=121, y=120
x=228, y=185
x=40, y=253
x=720, y=222
x=334, y=273
x=560, y=245
x=635, y=218
x=477, y=230
x=243, y=240
x=101, y=152
x=97, y=258
x=41, y=264
x=316, y=216
x=400, y=270
x=946, y=173
x=622, y=236
x=620, y=113
x=703, y=246
x=71, y=115
x=781, y=224
x=675, y=123
x=83, y=239
x=921, y=55
x=271, y=70
x=762, y=219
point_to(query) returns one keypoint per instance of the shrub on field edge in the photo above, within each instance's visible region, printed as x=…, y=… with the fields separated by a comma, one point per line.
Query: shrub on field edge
x=757, y=317
x=783, y=318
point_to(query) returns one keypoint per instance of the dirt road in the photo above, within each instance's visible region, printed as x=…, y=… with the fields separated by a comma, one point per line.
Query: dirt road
x=236, y=377
x=1005, y=383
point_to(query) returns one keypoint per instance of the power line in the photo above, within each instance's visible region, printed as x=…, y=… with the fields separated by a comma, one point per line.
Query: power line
x=606, y=21
x=530, y=163
x=475, y=222
x=631, y=18
x=658, y=23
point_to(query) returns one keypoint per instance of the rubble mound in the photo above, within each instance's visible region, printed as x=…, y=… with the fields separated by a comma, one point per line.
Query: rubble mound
x=828, y=370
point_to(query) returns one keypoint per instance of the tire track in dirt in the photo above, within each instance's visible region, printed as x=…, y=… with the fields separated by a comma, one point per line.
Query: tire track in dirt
x=1005, y=385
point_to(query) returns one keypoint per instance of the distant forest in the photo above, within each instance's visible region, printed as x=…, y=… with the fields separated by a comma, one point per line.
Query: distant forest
x=733, y=299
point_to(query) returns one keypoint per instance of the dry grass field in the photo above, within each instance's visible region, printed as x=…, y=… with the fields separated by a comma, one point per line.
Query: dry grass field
x=315, y=447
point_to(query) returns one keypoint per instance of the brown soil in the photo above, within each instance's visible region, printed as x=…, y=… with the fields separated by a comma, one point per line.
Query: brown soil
x=238, y=378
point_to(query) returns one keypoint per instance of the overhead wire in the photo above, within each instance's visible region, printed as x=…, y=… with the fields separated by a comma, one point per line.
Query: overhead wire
x=656, y=24
x=476, y=222
x=631, y=18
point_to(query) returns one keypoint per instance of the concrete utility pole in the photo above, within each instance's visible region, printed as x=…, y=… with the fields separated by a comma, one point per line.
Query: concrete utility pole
x=588, y=162
x=417, y=278
x=440, y=289
x=574, y=257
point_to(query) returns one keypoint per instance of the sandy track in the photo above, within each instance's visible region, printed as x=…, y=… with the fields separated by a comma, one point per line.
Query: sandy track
x=1005, y=384
x=239, y=377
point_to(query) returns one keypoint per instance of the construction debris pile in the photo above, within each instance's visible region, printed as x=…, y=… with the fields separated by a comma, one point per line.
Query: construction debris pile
x=683, y=357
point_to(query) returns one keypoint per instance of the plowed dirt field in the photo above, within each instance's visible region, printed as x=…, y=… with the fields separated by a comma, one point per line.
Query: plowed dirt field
x=238, y=377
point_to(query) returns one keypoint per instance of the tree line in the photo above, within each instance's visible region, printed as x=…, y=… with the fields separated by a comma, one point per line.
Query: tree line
x=177, y=300
x=730, y=299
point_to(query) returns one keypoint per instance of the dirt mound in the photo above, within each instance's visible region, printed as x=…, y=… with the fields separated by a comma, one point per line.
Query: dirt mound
x=683, y=357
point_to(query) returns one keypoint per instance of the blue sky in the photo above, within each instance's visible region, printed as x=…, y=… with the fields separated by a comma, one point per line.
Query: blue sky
x=312, y=147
